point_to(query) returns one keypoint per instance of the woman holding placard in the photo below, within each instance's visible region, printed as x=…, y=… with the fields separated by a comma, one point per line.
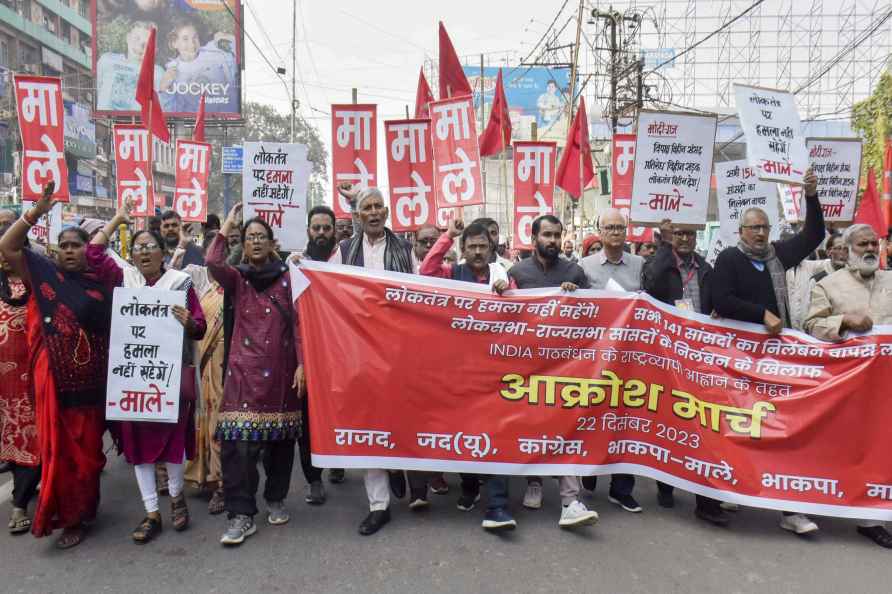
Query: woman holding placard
x=144, y=443
x=69, y=318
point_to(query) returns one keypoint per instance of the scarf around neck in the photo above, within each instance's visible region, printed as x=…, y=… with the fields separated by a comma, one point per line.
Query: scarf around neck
x=262, y=278
x=396, y=257
x=769, y=258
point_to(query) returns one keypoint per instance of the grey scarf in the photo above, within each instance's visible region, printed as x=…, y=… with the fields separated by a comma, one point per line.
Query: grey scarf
x=778, y=276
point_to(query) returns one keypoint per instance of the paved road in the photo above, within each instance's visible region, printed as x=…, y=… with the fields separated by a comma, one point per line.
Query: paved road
x=445, y=550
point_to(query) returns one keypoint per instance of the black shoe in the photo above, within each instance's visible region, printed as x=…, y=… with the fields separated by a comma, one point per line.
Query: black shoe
x=5, y=467
x=374, y=522
x=877, y=534
x=665, y=499
x=627, y=502
x=397, y=483
x=336, y=476
x=590, y=482
x=467, y=501
x=712, y=514
x=418, y=500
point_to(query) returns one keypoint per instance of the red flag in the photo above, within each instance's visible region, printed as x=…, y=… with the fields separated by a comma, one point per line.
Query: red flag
x=423, y=97
x=453, y=82
x=577, y=152
x=146, y=95
x=887, y=182
x=869, y=211
x=198, y=132
x=497, y=136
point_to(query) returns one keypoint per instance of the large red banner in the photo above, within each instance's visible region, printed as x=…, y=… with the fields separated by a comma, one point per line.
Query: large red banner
x=42, y=127
x=132, y=170
x=354, y=150
x=410, y=169
x=534, y=164
x=623, y=174
x=190, y=198
x=457, y=178
x=549, y=383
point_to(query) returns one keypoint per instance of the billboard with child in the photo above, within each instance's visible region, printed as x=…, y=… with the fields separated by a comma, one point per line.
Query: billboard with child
x=198, y=53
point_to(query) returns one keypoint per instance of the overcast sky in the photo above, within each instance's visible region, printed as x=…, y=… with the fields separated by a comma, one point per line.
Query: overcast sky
x=377, y=47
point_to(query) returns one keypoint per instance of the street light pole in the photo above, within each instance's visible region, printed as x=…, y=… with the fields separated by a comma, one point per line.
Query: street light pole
x=293, y=66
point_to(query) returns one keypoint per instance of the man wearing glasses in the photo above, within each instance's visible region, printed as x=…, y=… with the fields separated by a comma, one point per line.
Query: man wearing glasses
x=802, y=278
x=614, y=263
x=678, y=275
x=749, y=282
x=425, y=238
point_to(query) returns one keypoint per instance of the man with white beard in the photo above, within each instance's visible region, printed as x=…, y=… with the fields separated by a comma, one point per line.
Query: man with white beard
x=854, y=299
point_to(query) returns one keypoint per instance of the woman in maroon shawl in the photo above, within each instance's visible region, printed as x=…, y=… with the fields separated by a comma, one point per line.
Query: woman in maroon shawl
x=69, y=317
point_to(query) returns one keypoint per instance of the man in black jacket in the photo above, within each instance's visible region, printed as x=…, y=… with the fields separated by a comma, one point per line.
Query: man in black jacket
x=749, y=282
x=677, y=275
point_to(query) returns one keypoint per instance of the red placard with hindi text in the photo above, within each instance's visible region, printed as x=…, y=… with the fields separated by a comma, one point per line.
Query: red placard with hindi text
x=534, y=164
x=193, y=163
x=42, y=126
x=354, y=151
x=133, y=172
x=410, y=170
x=623, y=174
x=457, y=177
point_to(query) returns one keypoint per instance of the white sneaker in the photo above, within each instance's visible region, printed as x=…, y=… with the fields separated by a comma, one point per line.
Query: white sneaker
x=532, y=499
x=798, y=523
x=576, y=514
x=728, y=506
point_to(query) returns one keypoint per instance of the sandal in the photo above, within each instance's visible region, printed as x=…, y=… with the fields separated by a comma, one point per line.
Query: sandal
x=217, y=504
x=147, y=530
x=71, y=537
x=19, y=522
x=179, y=513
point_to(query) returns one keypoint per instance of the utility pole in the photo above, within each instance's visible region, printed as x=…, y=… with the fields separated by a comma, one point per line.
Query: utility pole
x=293, y=67
x=618, y=69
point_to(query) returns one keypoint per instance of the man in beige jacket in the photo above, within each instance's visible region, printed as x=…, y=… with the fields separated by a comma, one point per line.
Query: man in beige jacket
x=854, y=299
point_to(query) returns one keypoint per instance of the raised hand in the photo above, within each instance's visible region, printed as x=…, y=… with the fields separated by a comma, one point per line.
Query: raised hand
x=810, y=183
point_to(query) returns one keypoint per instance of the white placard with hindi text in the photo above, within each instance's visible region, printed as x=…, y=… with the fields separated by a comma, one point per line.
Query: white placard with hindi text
x=837, y=165
x=274, y=188
x=48, y=227
x=775, y=145
x=791, y=202
x=673, y=165
x=145, y=356
x=737, y=189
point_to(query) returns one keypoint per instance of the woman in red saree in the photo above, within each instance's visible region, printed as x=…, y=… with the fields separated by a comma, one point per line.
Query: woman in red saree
x=69, y=317
x=18, y=427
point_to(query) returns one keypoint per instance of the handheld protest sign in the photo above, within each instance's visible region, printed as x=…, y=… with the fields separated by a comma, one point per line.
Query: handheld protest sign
x=673, y=166
x=775, y=145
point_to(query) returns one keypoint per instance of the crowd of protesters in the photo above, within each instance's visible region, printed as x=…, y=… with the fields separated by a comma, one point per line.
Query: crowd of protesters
x=244, y=399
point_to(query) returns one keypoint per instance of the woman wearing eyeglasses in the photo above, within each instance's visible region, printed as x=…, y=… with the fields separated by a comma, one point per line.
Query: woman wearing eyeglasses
x=143, y=443
x=260, y=413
